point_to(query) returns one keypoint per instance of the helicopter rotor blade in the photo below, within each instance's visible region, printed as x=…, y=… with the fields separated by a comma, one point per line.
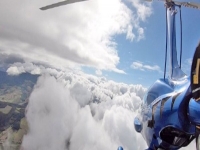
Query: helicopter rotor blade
x=188, y=4
x=60, y=4
x=158, y=0
x=148, y=0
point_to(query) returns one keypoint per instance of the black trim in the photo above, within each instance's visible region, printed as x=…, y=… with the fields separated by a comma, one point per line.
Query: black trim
x=152, y=122
x=173, y=100
x=195, y=86
x=162, y=105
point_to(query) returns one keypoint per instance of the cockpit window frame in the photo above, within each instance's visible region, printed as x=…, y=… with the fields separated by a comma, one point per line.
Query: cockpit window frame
x=153, y=95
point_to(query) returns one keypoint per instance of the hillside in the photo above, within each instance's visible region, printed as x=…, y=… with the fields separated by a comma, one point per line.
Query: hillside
x=14, y=94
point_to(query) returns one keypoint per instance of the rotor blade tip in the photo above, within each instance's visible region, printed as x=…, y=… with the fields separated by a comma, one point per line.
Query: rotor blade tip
x=42, y=8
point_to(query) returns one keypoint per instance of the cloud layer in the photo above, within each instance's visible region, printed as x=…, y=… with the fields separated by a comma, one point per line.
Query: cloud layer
x=73, y=111
x=70, y=36
x=77, y=111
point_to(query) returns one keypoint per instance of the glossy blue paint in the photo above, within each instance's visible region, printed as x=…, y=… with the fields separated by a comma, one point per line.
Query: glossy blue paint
x=194, y=111
x=137, y=124
x=166, y=108
x=175, y=71
x=120, y=148
x=169, y=115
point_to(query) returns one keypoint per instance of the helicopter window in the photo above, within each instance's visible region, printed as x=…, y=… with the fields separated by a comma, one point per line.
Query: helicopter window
x=151, y=97
x=175, y=137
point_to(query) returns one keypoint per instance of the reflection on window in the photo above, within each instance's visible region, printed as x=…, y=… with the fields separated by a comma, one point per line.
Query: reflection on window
x=151, y=97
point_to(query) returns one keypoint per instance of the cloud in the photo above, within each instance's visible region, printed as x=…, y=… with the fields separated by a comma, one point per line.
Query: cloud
x=81, y=94
x=15, y=71
x=140, y=66
x=189, y=61
x=18, y=68
x=74, y=110
x=98, y=72
x=186, y=65
x=48, y=116
x=140, y=33
x=70, y=36
x=32, y=68
x=79, y=111
x=143, y=11
x=7, y=60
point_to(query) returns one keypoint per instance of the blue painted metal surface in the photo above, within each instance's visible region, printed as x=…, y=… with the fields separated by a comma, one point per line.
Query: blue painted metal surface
x=137, y=125
x=165, y=110
x=175, y=71
x=169, y=116
x=194, y=112
x=120, y=148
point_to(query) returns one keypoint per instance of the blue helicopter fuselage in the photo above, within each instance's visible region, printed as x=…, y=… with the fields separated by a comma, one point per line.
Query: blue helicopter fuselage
x=169, y=116
x=164, y=115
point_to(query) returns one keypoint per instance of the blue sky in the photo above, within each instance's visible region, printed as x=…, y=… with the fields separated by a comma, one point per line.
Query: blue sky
x=151, y=50
x=99, y=37
x=95, y=34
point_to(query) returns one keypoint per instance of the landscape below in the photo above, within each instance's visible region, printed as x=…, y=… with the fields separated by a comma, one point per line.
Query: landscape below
x=14, y=94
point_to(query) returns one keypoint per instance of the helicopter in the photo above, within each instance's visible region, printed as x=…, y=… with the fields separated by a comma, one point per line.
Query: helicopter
x=169, y=116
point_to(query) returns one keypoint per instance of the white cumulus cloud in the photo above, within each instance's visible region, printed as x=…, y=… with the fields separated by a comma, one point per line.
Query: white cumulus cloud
x=71, y=36
x=73, y=110
x=143, y=67
x=79, y=111
x=15, y=70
